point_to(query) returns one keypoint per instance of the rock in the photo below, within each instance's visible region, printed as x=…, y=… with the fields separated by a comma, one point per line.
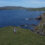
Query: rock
x=39, y=18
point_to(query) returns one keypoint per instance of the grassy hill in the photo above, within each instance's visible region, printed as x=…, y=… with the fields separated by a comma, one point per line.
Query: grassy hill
x=36, y=9
x=22, y=37
x=11, y=8
x=29, y=9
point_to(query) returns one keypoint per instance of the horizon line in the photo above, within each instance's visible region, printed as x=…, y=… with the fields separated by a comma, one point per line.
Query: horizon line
x=22, y=6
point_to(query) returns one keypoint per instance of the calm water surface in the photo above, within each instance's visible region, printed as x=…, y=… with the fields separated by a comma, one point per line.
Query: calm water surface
x=19, y=18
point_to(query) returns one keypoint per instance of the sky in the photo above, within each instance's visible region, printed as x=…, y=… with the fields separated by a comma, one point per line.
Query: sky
x=23, y=3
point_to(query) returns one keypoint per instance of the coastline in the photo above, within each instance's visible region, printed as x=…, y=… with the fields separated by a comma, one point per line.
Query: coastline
x=40, y=28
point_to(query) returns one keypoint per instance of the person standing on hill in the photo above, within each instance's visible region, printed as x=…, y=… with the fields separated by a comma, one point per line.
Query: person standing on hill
x=14, y=29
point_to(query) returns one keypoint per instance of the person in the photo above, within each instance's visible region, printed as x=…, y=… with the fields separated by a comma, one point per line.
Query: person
x=14, y=29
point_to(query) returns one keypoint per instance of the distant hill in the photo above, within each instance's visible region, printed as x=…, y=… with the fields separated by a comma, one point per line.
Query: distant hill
x=29, y=9
x=10, y=8
x=36, y=9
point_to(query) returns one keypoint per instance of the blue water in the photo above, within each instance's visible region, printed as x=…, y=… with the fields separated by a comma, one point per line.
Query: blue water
x=18, y=18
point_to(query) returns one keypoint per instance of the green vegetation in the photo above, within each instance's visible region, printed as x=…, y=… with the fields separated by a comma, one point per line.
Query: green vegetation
x=11, y=8
x=29, y=9
x=36, y=9
x=22, y=37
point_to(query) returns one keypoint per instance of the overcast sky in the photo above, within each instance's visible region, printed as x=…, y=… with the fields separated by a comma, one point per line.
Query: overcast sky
x=23, y=3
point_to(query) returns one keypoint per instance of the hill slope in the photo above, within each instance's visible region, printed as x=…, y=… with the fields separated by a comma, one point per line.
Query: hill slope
x=22, y=37
x=14, y=7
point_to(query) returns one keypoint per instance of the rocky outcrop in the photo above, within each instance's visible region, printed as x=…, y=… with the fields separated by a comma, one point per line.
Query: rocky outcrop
x=39, y=18
x=40, y=29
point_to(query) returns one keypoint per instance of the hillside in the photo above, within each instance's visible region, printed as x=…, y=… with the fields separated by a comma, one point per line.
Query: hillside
x=10, y=8
x=29, y=9
x=36, y=9
x=22, y=37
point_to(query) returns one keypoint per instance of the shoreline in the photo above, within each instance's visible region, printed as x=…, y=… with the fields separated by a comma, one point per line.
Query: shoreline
x=40, y=28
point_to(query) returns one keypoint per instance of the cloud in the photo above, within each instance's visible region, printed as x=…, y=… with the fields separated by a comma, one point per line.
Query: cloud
x=25, y=3
x=38, y=2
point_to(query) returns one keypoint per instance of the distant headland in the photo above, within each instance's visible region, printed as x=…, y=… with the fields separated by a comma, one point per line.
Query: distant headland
x=15, y=7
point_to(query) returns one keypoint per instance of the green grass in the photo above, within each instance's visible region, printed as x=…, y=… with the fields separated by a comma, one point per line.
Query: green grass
x=22, y=37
